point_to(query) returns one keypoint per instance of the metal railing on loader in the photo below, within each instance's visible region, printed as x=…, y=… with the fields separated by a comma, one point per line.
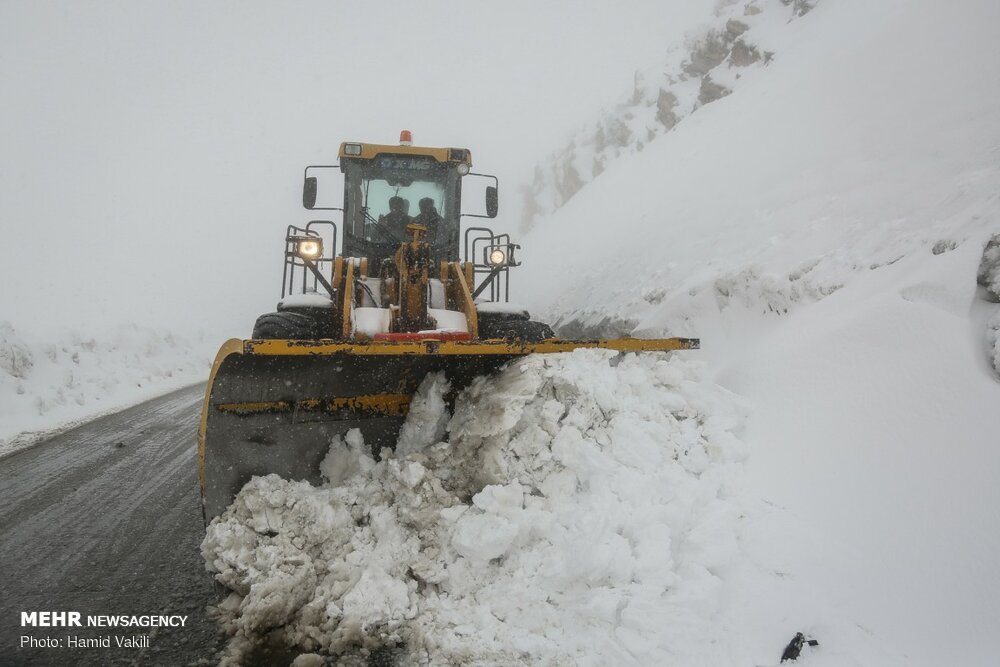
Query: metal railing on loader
x=295, y=272
x=478, y=244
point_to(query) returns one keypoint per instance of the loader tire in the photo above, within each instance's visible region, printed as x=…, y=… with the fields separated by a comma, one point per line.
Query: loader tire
x=289, y=324
x=515, y=329
x=489, y=319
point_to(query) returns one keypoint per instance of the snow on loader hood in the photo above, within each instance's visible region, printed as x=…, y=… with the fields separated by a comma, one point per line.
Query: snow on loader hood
x=578, y=513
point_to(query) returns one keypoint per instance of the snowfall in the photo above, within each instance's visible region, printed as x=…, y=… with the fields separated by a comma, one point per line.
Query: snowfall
x=813, y=190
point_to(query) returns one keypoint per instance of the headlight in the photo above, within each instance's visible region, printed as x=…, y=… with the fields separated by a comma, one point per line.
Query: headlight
x=462, y=169
x=498, y=257
x=309, y=248
x=352, y=149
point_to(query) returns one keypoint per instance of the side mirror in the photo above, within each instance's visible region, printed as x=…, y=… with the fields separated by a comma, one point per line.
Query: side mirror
x=309, y=188
x=492, y=201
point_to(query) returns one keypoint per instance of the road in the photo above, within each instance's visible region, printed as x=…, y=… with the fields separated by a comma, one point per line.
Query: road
x=106, y=519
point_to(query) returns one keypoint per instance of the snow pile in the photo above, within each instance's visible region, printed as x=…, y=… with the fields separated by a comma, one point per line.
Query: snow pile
x=708, y=67
x=581, y=512
x=49, y=381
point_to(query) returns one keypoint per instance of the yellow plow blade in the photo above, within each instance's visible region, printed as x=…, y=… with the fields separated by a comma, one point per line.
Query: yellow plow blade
x=274, y=406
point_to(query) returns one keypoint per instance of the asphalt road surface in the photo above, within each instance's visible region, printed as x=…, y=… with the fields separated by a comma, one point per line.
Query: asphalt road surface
x=106, y=519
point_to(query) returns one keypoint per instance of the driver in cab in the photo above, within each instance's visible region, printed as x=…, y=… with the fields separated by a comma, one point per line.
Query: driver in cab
x=396, y=220
x=429, y=218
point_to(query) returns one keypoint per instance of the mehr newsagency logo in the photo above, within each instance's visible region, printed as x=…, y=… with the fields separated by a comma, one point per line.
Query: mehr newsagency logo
x=128, y=624
x=73, y=619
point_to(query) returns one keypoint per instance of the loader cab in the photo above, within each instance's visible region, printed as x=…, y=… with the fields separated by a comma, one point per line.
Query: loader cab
x=371, y=188
x=380, y=188
x=380, y=179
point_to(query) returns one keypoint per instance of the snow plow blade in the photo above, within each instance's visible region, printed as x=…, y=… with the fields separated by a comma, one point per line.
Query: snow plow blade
x=274, y=406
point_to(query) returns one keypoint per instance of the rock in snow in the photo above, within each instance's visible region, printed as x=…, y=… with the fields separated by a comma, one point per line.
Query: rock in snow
x=989, y=268
x=577, y=514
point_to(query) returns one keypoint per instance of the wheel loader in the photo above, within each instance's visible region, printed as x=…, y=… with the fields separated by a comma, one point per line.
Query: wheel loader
x=357, y=330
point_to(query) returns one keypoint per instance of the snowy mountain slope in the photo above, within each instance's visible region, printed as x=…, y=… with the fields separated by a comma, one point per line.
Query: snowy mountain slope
x=708, y=67
x=49, y=381
x=821, y=229
x=793, y=174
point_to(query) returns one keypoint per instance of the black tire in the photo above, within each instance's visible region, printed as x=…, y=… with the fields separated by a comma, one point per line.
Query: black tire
x=515, y=329
x=288, y=324
x=488, y=319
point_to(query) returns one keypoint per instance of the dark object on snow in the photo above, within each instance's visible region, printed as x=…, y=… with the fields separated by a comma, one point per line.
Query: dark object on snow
x=794, y=647
x=989, y=268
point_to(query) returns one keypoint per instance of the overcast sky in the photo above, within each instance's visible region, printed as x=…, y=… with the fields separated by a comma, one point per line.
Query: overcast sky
x=152, y=151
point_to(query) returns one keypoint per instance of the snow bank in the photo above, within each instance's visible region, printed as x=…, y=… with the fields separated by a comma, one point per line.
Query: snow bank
x=47, y=382
x=579, y=513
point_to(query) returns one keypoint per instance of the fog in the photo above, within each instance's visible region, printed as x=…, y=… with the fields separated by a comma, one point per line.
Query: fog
x=152, y=152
